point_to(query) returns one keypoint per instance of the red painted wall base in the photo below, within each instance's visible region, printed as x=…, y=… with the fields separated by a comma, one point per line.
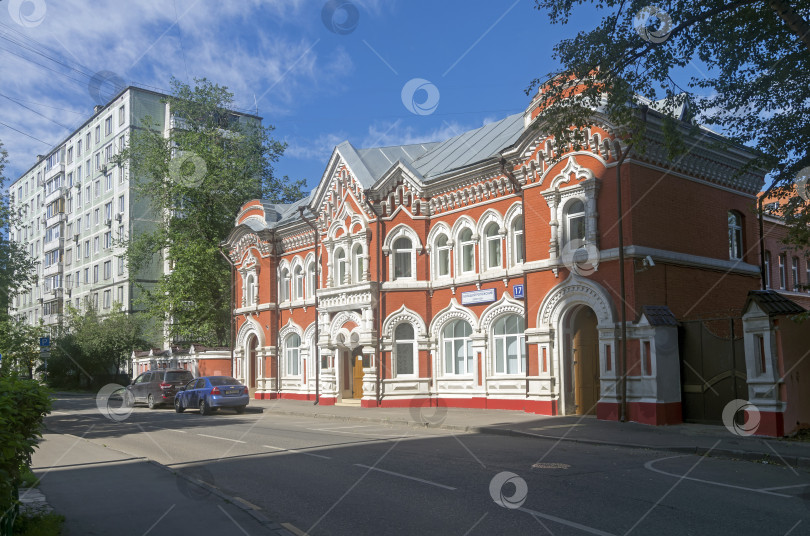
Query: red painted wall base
x=643, y=412
x=539, y=407
x=771, y=423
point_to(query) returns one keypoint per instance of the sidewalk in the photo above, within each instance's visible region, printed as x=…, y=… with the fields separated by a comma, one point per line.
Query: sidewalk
x=101, y=491
x=697, y=439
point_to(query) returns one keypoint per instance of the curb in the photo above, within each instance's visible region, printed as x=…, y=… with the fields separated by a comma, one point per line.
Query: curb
x=758, y=457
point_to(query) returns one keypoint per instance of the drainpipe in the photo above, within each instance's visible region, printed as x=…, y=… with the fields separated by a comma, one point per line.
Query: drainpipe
x=762, y=275
x=516, y=185
x=380, y=303
x=274, y=255
x=623, y=295
x=233, y=306
x=315, y=294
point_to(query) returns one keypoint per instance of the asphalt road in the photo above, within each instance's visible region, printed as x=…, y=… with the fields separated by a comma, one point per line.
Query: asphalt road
x=329, y=477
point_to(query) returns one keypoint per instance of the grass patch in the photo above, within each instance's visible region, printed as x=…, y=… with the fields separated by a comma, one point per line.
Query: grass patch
x=41, y=525
x=29, y=479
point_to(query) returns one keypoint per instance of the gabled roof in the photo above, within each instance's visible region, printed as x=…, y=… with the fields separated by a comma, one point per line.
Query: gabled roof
x=772, y=303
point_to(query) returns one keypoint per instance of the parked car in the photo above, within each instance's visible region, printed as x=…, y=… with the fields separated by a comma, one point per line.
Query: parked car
x=158, y=387
x=210, y=393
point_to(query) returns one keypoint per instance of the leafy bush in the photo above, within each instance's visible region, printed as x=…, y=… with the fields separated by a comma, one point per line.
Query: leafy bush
x=23, y=405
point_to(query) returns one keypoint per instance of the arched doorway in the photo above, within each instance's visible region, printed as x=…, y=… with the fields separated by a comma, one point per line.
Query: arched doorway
x=253, y=362
x=582, y=387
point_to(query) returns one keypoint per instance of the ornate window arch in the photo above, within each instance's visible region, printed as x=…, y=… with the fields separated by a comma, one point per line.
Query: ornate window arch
x=290, y=336
x=405, y=355
x=440, y=243
x=249, y=269
x=559, y=197
x=311, y=278
x=249, y=297
x=466, y=239
x=401, y=245
x=359, y=264
x=513, y=222
x=284, y=282
x=340, y=266
x=452, y=329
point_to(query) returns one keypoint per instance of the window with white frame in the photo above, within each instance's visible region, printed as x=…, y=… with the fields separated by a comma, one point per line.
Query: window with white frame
x=509, y=339
x=492, y=238
x=292, y=354
x=403, y=258
x=575, y=221
x=794, y=273
x=298, y=282
x=443, y=256
x=284, y=285
x=782, y=273
x=767, y=269
x=341, y=267
x=250, y=285
x=735, y=245
x=358, y=263
x=311, y=280
x=518, y=255
x=404, y=349
x=467, y=243
x=457, y=346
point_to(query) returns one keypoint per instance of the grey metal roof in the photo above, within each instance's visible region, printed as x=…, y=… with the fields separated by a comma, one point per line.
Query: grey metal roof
x=659, y=315
x=470, y=147
x=378, y=160
x=772, y=303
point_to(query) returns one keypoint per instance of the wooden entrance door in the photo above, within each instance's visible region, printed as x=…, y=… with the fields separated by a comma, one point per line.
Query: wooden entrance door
x=357, y=374
x=585, y=350
x=253, y=363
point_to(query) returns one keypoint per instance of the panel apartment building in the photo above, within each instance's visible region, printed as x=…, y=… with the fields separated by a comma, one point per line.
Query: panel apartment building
x=77, y=207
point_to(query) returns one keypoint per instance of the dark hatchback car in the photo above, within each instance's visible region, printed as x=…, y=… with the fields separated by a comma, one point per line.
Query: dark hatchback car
x=158, y=387
x=210, y=393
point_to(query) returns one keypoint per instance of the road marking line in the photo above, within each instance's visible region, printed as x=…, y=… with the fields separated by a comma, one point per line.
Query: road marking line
x=272, y=447
x=172, y=430
x=405, y=476
x=650, y=467
x=359, y=433
x=222, y=438
x=295, y=530
x=583, y=528
x=339, y=427
x=317, y=455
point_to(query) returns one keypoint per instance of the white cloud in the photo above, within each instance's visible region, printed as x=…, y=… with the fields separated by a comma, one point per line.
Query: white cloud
x=386, y=134
x=318, y=149
x=252, y=47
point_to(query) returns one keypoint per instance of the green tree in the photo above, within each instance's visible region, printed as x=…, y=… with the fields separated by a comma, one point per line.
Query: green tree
x=17, y=273
x=748, y=68
x=19, y=346
x=196, y=179
x=92, y=349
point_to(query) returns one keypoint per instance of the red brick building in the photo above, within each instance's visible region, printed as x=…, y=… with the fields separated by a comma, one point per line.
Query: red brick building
x=483, y=271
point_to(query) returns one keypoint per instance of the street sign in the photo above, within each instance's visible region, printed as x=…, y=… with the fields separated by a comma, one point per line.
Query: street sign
x=517, y=291
x=478, y=296
x=44, y=341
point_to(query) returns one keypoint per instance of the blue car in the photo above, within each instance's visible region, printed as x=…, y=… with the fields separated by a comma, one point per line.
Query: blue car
x=209, y=393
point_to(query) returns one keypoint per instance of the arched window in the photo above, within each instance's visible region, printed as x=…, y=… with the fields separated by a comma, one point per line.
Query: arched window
x=284, y=285
x=250, y=290
x=492, y=239
x=457, y=344
x=340, y=267
x=518, y=255
x=312, y=282
x=403, y=258
x=575, y=221
x=404, y=349
x=442, y=256
x=298, y=282
x=467, y=251
x=735, y=244
x=358, y=263
x=508, y=335
x=292, y=354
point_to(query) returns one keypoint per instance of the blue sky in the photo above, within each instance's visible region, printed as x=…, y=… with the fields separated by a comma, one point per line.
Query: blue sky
x=316, y=71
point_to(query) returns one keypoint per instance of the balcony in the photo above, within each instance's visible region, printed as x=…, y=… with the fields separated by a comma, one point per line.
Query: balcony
x=54, y=219
x=346, y=297
x=52, y=294
x=54, y=171
x=56, y=243
x=53, y=269
x=51, y=320
x=55, y=194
